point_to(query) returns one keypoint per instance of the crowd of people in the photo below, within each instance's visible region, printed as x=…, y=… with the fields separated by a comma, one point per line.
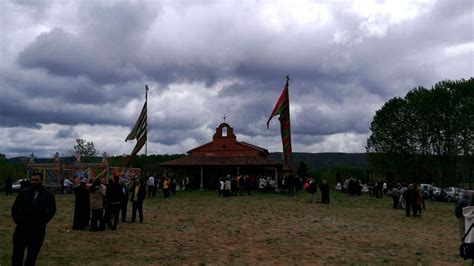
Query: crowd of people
x=236, y=185
x=168, y=185
x=244, y=184
x=100, y=206
x=311, y=186
x=288, y=185
x=408, y=197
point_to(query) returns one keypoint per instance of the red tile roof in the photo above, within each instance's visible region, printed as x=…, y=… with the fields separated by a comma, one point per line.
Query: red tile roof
x=265, y=151
x=222, y=161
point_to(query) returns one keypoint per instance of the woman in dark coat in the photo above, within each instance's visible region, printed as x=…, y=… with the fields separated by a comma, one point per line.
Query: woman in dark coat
x=81, y=206
x=324, y=187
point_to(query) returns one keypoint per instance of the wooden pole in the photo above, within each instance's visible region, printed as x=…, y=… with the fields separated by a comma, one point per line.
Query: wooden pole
x=146, y=100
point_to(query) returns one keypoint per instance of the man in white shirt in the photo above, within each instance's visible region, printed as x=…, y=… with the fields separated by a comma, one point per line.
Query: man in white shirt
x=151, y=186
x=67, y=184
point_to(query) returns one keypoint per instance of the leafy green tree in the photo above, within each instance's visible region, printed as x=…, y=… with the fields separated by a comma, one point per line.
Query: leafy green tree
x=427, y=133
x=302, y=170
x=7, y=169
x=393, y=134
x=85, y=149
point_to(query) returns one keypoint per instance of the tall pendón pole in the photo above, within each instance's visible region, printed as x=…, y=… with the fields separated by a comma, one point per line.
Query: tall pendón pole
x=146, y=100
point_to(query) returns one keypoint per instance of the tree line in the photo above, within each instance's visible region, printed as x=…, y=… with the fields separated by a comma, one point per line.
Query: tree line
x=426, y=136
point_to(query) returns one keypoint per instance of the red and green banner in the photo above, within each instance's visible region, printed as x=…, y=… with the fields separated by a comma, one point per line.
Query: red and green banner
x=282, y=108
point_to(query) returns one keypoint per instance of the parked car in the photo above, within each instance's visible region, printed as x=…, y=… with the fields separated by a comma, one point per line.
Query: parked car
x=364, y=189
x=426, y=190
x=439, y=194
x=16, y=186
x=453, y=193
x=450, y=193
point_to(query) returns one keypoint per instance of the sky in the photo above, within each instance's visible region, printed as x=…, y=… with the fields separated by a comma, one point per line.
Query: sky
x=77, y=69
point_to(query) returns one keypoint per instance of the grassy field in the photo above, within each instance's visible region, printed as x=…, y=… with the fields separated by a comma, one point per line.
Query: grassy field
x=200, y=228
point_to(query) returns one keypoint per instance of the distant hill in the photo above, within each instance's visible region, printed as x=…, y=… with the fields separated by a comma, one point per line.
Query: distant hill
x=323, y=161
x=315, y=161
x=25, y=160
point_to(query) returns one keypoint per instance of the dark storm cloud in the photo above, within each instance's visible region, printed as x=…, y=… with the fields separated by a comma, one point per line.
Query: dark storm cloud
x=69, y=104
x=37, y=84
x=75, y=74
x=62, y=54
x=234, y=60
x=104, y=49
x=166, y=74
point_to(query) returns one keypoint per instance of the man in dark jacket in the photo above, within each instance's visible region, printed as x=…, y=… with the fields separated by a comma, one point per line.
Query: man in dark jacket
x=410, y=196
x=114, y=198
x=8, y=186
x=324, y=187
x=124, y=201
x=138, y=194
x=33, y=209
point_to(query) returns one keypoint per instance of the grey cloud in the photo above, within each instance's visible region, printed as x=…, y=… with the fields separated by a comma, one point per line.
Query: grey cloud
x=63, y=54
x=35, y=8
x=67, y=133
x=104, y=50
x=23, y=112
x=176, y=136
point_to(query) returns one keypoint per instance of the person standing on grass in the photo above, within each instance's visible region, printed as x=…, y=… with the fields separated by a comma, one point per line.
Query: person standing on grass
x=410, y=197
x=81, y=206
x=395, y=196
x=32, y=210
x=227, y=187
x=151, y=186
x=114, y=198
x=67, y=184
x=124, y=199
x=311, y=187
x=324, y=187
x=155, y=186
x=166, y=187
x=137, y=198
x=418, y=201
x=8, y=186
x=97, y=200
x=467, y=199
x=221, y=187
x=247, y=185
